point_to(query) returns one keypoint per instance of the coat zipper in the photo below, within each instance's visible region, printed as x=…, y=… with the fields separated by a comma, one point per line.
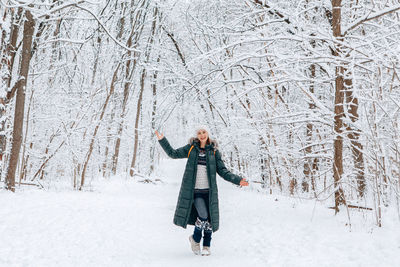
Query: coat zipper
x=209, y=185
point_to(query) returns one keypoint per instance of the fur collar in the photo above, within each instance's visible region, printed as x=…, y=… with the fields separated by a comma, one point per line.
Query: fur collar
x=213, y=142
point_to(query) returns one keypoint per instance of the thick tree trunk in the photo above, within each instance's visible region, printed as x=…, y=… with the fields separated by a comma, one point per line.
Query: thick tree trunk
x=29, y=27
x=9, y=51
x=339, y=111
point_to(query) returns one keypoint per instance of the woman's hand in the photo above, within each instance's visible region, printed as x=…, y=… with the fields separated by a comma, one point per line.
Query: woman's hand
x=243, y=182
x=159, y=135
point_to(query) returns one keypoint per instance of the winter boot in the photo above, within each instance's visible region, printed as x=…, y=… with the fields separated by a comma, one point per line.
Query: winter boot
x=207, y=234
x=198, y=229
x=195, y=245
x=206, y=251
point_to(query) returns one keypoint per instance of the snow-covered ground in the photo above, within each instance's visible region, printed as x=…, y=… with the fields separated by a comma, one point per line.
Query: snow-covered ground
x=125, y=223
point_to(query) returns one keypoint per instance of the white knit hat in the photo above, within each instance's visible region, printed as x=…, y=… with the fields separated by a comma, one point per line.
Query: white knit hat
x=201, y=127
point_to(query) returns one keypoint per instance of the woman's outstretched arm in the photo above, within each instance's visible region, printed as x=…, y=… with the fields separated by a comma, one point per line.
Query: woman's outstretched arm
x=227, y=175
x=178, y=153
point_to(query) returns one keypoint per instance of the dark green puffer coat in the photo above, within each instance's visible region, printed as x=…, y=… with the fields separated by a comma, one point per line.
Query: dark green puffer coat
x=185, y=212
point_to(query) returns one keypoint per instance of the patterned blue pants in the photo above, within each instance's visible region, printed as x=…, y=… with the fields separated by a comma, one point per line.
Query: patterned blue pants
x=202, y=222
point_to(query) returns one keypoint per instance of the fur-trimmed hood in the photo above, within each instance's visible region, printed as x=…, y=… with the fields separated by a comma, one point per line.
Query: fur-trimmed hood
x=213, y=142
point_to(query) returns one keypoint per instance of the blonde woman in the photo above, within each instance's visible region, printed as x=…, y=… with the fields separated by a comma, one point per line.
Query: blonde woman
x=198, y=197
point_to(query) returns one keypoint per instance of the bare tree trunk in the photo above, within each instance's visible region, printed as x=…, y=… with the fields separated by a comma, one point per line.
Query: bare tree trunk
x=54, y=55
x=354, y=136
x=130, y=68
x=29, y=27
x=139, y=103
x=339, y=111
x=9, y=50
x=114, y=159
x=310, y=164
x=128, y=76
x=138, y=108
x=25, y=160
x=89, y=153
x=105, y=170
x=153, y=117
x=3, y=138
x=46, y=157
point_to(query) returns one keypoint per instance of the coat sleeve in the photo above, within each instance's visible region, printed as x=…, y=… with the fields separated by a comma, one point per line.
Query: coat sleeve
x=223, y=171
x=178, y=153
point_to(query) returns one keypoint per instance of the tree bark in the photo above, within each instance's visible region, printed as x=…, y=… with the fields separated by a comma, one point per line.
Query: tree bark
x=153, y=117
x=310, y=164
x=22, y=172
x=9, y=50
x=339, y=111
x=29, y=27
x=106, y=165
x=354, y=135
x=138, y=108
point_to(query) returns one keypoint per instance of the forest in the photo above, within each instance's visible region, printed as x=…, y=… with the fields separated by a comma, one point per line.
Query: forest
x=302, y=96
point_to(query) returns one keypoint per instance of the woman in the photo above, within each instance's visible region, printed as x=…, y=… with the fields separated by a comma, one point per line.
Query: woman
x=198, y=197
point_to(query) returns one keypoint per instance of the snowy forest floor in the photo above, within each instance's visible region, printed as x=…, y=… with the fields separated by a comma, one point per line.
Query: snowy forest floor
x=120, y=222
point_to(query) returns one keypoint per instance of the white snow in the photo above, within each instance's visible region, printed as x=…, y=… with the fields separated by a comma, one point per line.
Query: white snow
x=125, y=223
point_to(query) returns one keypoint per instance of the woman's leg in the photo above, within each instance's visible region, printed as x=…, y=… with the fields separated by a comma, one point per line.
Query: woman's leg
x=202, y=211
x=201, y=208
x=202, y=223
x=207, y=226
x=207, y=235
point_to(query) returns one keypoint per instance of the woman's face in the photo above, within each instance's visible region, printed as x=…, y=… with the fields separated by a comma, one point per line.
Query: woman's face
x=202, y=135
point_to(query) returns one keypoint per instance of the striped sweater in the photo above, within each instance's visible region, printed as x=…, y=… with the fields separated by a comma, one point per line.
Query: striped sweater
x=201, y=177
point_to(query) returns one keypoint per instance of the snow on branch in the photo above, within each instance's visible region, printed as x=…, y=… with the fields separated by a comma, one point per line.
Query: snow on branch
x=107, y=32
x=273, y=11
x=369, y=17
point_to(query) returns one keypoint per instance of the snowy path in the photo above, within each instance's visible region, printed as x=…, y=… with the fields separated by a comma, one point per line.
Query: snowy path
x=130, y=224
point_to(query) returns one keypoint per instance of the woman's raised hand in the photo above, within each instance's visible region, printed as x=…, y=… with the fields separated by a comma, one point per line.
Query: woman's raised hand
x=243, y=182
x=159, y=135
